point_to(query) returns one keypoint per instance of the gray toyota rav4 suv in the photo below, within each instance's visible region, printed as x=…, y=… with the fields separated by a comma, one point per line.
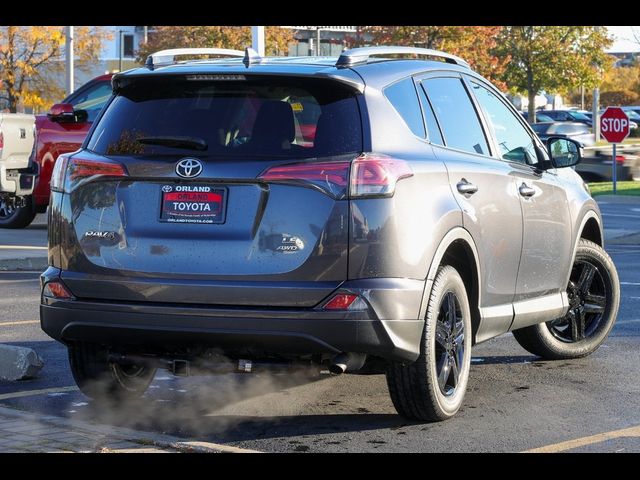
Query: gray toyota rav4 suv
x=369, y=213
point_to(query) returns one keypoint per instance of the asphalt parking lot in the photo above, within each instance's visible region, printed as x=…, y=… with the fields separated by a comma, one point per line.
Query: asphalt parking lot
x=515, y=401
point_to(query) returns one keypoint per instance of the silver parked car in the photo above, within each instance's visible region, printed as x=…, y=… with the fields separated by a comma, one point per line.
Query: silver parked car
x=579, y=132
x=361, y=213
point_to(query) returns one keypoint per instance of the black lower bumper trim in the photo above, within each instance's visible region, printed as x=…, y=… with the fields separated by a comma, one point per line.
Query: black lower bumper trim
x=309, y=333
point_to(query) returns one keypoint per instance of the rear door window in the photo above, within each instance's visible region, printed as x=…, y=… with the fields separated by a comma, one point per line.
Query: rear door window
x=279, y=117
x=404, y=99
x=456, y=115
x=433, y=129
x=515, y=144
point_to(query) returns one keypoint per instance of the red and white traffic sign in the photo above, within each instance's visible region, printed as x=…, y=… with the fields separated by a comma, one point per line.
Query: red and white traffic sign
x=614, y=125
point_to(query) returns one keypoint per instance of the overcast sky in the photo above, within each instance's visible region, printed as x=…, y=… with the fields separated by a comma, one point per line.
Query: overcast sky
x=624, y=39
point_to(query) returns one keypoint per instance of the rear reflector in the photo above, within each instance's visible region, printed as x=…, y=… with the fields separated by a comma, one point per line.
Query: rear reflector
x=345, y=301
x=56, y=289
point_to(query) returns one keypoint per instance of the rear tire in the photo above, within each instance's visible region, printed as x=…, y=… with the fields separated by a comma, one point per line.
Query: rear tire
x=17, y=217
x=433, y=387
x=100, y=379
x=594, y=296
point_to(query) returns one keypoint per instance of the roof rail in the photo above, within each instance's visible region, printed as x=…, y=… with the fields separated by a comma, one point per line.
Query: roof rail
x=355, y=56
x=168, y=57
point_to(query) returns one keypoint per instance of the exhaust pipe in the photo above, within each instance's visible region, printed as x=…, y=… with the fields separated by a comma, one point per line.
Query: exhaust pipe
x=344, y=362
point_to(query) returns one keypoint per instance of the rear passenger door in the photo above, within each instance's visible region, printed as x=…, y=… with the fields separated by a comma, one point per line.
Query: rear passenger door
x=485, y=189
x=546, y=245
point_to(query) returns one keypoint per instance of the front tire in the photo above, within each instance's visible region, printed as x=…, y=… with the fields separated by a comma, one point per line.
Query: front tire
x=12, y=217
x=433, y=387
x=594, y=299
x=100, y=379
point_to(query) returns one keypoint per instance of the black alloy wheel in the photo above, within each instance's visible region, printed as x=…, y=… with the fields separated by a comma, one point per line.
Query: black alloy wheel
x=449, y=344
x=587, y=294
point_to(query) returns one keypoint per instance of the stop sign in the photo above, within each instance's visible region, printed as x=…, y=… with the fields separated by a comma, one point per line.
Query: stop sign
x=614, y=125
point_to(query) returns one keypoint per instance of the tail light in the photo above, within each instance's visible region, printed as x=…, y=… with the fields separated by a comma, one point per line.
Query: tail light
x=69, y=171
x=330, y=177
x=620, y=159
x=56, y=289
x=367, y=175
x=1, y=142
x=377, y=175
x=345, y=301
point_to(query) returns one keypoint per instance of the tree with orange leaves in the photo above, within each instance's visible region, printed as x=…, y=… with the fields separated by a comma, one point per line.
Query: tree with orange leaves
x=474, y=44
x=31, y=56
x=276, y=39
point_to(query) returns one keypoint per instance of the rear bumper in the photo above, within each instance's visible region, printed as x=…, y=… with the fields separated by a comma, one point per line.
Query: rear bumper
x=256, y=331
x=17, y=182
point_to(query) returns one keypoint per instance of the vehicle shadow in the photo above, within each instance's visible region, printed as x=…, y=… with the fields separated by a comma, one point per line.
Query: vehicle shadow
x=181, y=421
x=237, y=408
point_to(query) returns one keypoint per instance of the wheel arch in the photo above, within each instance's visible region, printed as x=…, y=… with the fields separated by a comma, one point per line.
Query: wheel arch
x=590, y=229
x=458, y=249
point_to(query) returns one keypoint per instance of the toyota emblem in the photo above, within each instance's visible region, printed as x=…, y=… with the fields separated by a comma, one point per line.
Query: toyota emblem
x=189, y=168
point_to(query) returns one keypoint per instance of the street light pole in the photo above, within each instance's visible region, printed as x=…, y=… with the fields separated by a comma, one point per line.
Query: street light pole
x=121, y=50
x=69, y=59
x=257, y=37
x=596, y=116
x=318, y=41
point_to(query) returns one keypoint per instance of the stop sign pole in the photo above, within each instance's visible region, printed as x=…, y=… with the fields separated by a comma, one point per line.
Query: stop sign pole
x=614, y=127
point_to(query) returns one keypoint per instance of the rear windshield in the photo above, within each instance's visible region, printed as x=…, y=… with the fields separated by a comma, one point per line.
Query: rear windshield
x=279, y=117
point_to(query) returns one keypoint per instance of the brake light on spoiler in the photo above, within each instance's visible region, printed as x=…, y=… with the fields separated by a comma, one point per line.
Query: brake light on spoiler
x=369, y=175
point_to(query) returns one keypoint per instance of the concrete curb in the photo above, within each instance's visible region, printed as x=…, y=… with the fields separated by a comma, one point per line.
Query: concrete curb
x=31, y=264
x=149, y=438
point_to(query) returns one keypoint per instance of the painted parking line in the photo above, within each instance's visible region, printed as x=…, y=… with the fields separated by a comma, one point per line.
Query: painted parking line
x=18, y=272
x=629, y=283
x=631, y=432
x=22, y=247
x=32, y=393
x=21, y=280
x=624, y=322
x=605, y=215
x=23, y=322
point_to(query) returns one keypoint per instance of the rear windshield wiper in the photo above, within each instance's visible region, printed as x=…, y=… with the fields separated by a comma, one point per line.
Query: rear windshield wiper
x=192, y=143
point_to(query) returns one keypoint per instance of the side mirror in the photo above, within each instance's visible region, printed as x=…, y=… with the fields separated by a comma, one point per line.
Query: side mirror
x=62, y=113
x=563, y=152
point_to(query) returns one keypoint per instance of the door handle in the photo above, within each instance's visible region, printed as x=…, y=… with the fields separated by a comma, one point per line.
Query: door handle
x=526, y=191
x=466, y=188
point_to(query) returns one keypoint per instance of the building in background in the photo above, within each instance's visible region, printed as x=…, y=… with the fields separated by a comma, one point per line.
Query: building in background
x=332, y=40
x=626, y=45
x=119, y=50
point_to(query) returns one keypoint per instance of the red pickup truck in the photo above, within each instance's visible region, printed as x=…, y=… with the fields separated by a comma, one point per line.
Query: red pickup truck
x=61, y=130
